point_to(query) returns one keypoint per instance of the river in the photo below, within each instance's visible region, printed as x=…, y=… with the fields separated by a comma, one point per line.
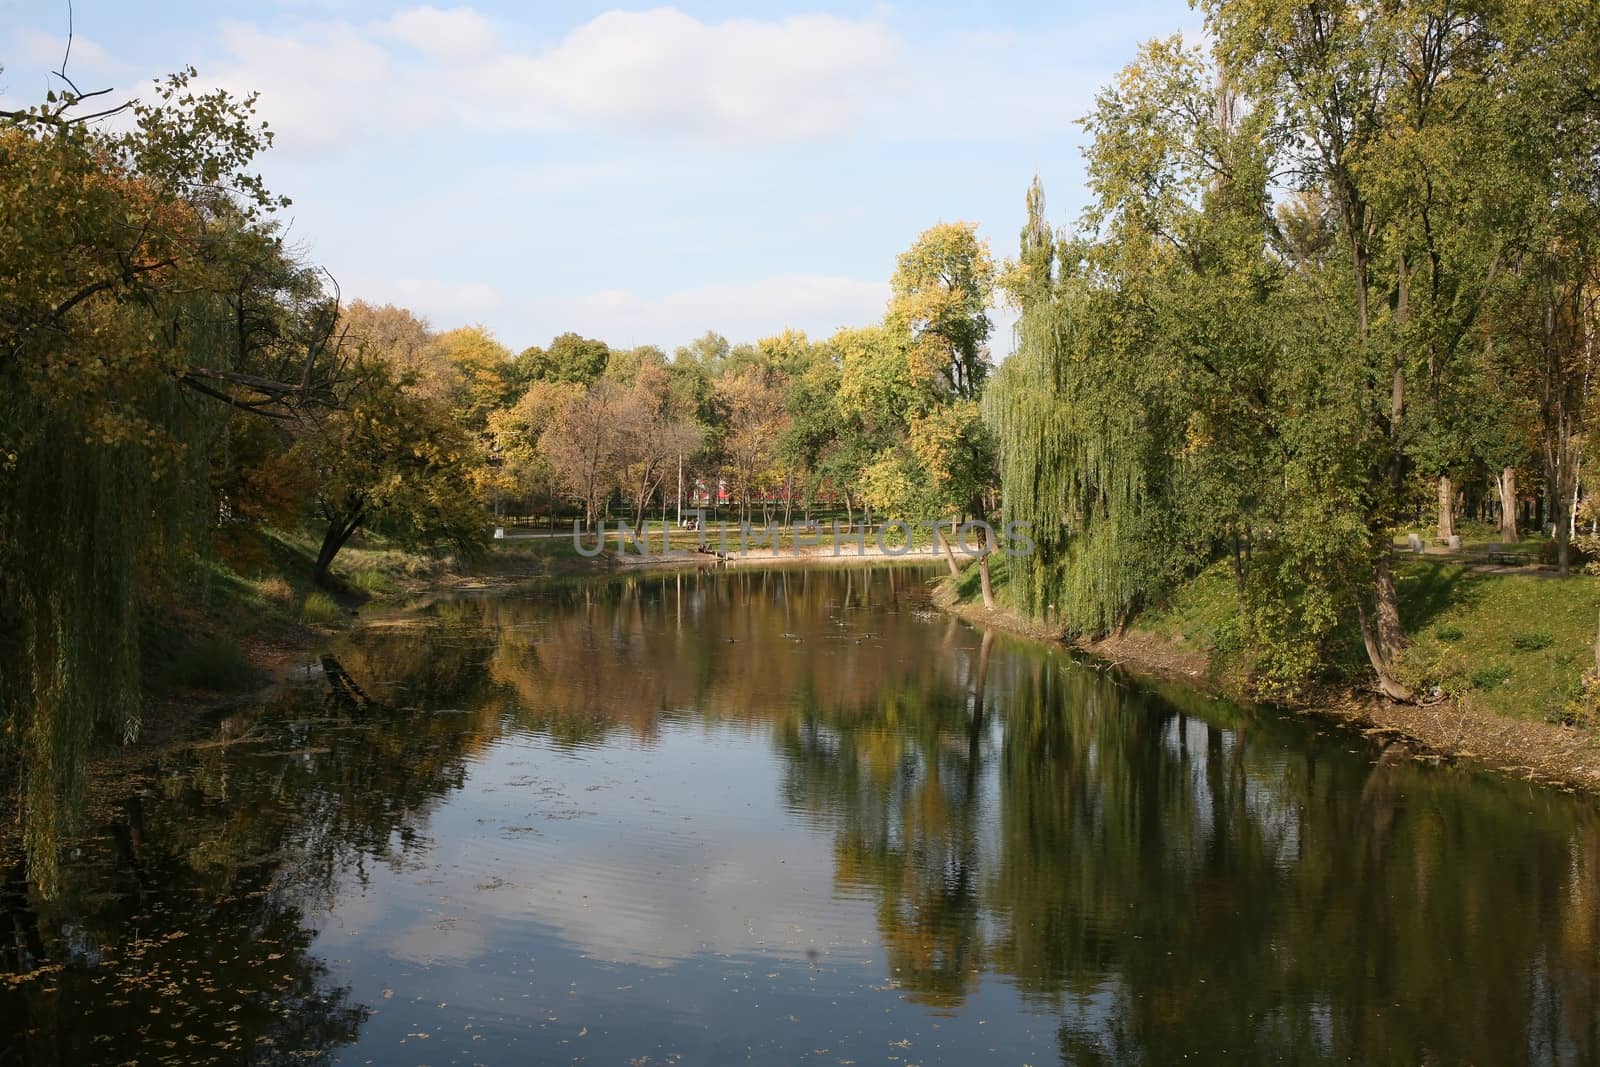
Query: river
x=795, y=816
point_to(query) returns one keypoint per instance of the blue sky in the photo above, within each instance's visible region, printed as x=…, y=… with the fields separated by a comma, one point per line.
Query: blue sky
x=639, y=174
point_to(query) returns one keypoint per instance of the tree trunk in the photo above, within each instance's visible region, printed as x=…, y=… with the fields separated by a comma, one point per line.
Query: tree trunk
x=1560, y=516
x=1577, y=501
x=1239, y=575
x=1508, y=506
x=1447, y=503
x=983, y=568
x=1381, y=631
x=949, y=553
x=339, y=532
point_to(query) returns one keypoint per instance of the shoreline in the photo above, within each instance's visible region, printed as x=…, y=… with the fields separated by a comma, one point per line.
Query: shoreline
x=1554, y=756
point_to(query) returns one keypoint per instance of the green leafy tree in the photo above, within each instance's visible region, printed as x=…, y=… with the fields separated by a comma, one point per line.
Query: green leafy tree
x=1392, y=113
x=570, y=358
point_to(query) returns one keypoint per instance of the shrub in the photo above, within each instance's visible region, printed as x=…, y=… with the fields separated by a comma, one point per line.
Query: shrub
x=1489, y=677
x=1532, y=640
x=215, y=663
x=320, y=608
x=275, y=590
x=1582, y=707
x=1229, y=636
x=1449, y=632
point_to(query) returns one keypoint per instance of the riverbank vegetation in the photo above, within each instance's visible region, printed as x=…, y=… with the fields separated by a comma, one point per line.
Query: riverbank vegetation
x=1339, y=270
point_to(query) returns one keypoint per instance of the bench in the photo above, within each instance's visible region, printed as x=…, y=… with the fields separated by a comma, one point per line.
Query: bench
x=1510, y=559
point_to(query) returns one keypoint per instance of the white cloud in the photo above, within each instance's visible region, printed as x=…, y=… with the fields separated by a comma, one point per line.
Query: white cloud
x=659, y=73
x=662, y=73
x=319, y=88
x=666, y=72
x=458, y=33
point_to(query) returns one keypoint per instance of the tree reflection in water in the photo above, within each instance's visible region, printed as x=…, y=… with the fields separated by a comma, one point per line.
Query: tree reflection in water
x=1167, y=872
x=184, y=929
x=1161, y=874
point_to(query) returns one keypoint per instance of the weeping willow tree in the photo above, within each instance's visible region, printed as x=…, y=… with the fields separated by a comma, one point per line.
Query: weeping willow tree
x=1072, y=442
x=143, y=293
x=1074, y=467
x=91, y=529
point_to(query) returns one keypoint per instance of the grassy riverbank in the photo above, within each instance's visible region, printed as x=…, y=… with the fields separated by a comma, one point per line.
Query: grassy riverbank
x=252, y=607
x=1499, y=657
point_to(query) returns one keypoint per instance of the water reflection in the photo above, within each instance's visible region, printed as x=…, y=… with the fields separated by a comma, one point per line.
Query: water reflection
x=759, y=815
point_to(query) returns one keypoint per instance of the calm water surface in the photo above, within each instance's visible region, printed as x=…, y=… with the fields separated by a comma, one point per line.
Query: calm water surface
x=795, y=817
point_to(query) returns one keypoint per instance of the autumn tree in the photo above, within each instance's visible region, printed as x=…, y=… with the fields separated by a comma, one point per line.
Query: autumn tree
x=656, y=432
x=392, y=461
x=756, y=422
x=483, y=367
x=516, y=434
x=921, y=373
x=407, y=343
x=942, y=288
x=583, y=442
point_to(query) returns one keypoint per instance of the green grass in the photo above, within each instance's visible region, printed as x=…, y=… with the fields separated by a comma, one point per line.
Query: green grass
x=369, y=564
x=1531, y=640
x=1490, y=677
x=969, y=586
x=255, y=585
x=320, y=609
x=374, y=582
x=1514, y=645
x=1518, y=644
x=1478, y=538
